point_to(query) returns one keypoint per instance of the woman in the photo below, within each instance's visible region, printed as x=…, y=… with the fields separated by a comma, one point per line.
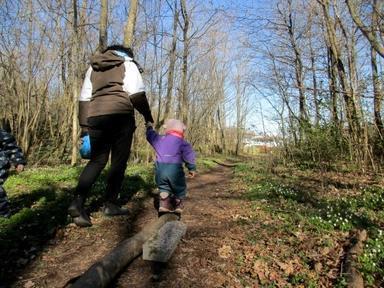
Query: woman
x=112, y=89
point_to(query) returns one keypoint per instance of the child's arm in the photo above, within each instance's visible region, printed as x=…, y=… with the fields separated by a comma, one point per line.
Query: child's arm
x=14, y=153
x=151, y=135
x=189, y=158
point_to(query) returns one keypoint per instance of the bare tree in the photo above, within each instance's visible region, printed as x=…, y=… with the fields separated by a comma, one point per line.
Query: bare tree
x=298, y=62
x=171, y=69
x=335, y=50
x=75, y=55
x=368, y=31
x=377, y=88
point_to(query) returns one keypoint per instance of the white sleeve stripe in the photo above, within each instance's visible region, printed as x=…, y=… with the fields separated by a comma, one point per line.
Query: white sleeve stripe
x=86, y=90
x=133, y=82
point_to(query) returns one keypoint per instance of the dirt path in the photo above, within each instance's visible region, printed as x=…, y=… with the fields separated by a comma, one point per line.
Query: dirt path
x=199, y=261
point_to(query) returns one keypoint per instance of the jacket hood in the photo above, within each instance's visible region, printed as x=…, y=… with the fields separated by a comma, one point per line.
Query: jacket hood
x=174, y=125
x=105, y=61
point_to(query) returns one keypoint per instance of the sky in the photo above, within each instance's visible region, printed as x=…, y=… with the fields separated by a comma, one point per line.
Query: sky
x=261, y=116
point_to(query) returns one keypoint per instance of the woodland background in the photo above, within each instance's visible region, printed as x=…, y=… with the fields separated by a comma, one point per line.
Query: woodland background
x=305, y=75
x=291, y=91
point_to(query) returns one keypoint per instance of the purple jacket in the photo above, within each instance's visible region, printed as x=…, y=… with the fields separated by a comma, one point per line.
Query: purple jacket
x=172, y=149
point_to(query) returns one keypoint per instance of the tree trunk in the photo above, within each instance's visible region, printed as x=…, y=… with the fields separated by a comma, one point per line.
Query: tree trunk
x=221, y=125
x=332, y=80
x=298, y=64
x=238, y=117
x=129, y=32
x=171, y=69
x=103, y=35
x=368, y=33
x=75, y=83
x=377, y=90
x=315, y=88
x=183, y=102
x=298, y=68
x=350, y=105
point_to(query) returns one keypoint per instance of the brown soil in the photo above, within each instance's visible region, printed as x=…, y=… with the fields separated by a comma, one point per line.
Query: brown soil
x=201, y=259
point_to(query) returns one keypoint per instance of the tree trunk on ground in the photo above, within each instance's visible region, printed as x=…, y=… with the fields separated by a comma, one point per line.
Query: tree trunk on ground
x=103, y=272
x=354, y=277
x=162, y=244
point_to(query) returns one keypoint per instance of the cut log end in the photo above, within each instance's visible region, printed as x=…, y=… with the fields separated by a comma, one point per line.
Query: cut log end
x=161, y=246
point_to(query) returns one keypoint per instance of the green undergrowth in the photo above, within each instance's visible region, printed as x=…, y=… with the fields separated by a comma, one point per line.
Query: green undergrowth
x=39, y=198
x=304, y=211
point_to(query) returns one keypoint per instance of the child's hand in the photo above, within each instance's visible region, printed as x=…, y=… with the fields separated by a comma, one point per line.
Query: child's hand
x=148, y=125
x=19, y=168
x=191, y=174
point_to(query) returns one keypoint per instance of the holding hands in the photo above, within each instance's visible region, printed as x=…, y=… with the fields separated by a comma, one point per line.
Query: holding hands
x=20, y=168
x=191, y=174
x=148, y=125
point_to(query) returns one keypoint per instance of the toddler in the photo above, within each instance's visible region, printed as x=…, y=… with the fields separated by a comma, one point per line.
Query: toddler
x=171, y=152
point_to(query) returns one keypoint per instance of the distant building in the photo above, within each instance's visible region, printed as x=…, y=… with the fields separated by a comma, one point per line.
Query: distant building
x=252, y=139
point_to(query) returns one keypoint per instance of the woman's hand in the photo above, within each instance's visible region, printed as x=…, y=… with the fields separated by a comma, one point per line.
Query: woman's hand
x=20, y=168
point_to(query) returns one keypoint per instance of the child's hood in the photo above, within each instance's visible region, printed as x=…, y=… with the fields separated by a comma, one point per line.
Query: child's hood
x=174, y=125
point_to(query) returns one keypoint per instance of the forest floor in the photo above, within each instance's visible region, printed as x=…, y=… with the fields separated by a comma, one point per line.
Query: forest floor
x=244, y=230
x=201, y=259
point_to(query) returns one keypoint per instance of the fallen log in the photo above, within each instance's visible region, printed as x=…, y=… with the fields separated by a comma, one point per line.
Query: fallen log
x=103, y=272
x=354, y=277
x=226, y=164
x=161, y=245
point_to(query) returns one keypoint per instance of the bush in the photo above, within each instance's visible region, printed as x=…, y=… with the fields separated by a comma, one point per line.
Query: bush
x=320, y=147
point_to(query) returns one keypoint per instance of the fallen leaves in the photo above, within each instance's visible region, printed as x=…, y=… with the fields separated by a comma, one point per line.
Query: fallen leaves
x=259, y=269
x=29, y=284
x=225, y=251
x=286, y=267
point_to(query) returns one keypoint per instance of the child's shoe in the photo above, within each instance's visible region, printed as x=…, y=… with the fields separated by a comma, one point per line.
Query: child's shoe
x=165, y=203
x=179, y=205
